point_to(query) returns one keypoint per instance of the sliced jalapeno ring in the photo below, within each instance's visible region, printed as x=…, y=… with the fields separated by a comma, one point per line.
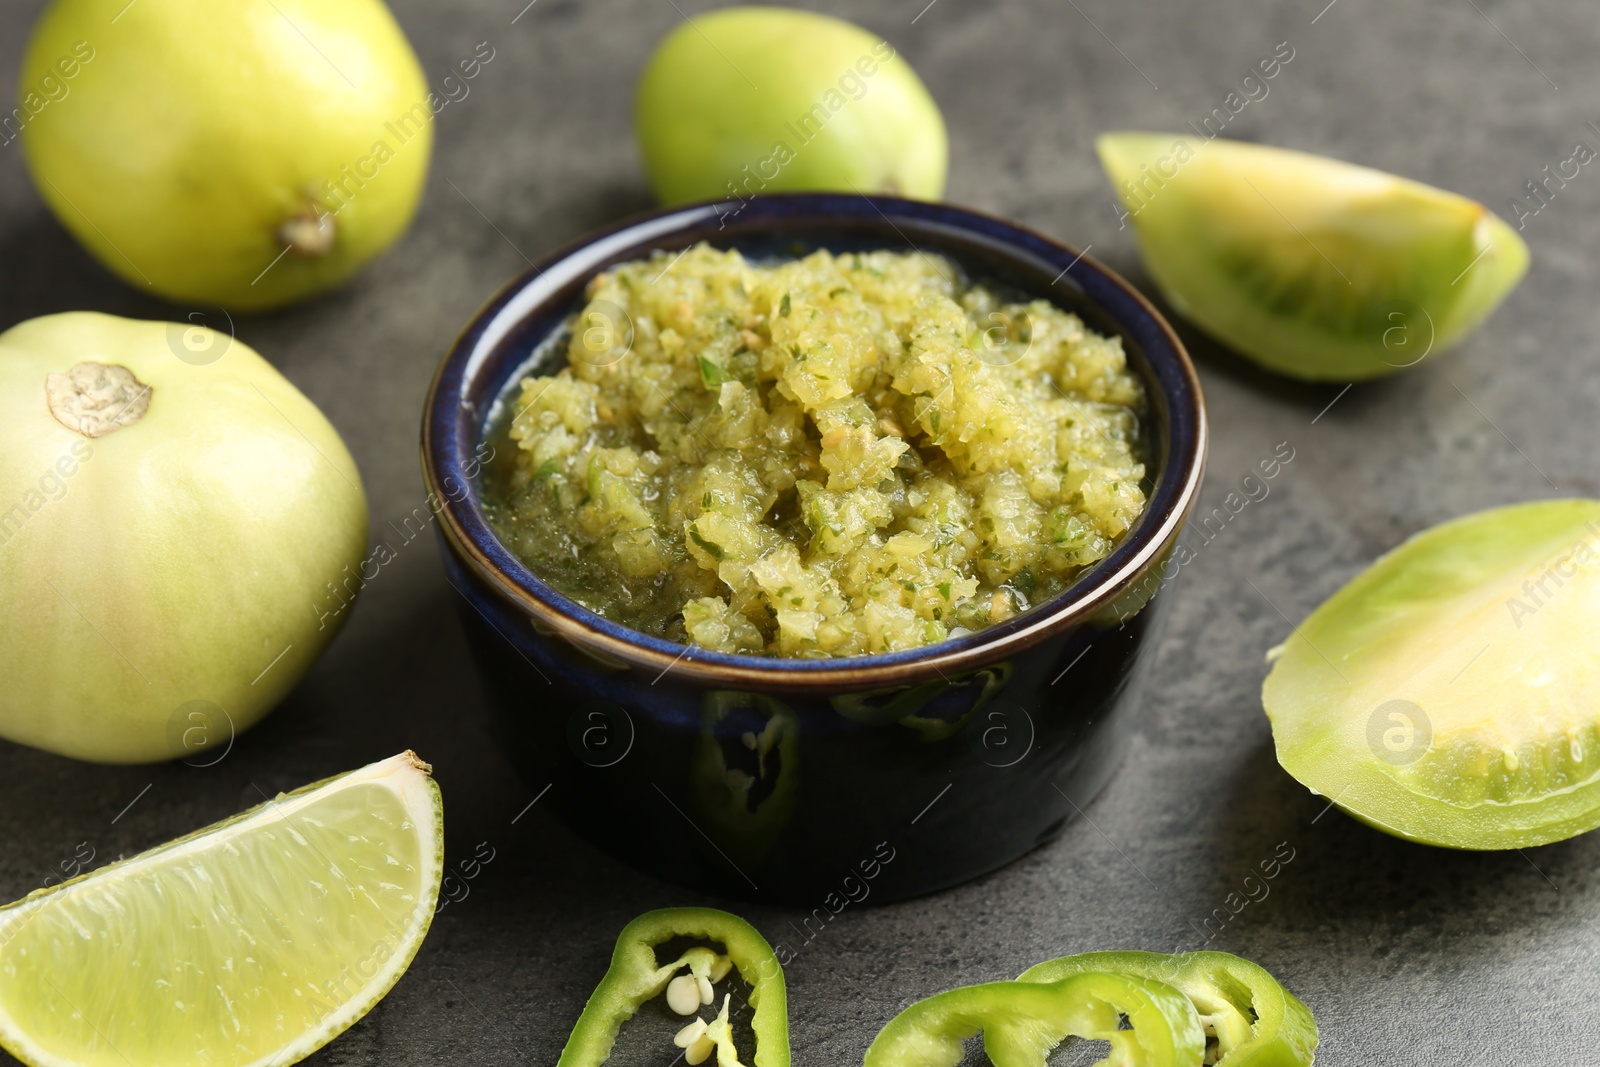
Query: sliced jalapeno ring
x=1023, y=1021
x=1250, y=1019
x=635, y=976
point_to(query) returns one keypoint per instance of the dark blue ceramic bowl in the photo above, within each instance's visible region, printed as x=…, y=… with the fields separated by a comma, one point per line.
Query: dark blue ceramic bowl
x=814, y=781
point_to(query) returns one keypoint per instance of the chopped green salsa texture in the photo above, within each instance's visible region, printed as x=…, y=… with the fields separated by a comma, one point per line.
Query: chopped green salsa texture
x=831, y=456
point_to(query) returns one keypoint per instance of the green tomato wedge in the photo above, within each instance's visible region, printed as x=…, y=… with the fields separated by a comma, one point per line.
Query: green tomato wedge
x=1023, y=1021
x=1312, y=267
x=1249, y=1019
x=1450, y=694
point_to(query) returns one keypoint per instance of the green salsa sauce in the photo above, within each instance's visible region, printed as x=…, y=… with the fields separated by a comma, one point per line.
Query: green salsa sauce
x=830, y=456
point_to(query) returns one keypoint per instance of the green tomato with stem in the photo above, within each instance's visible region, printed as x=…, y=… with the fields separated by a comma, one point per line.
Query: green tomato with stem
x=180, y=533
x=244, y=155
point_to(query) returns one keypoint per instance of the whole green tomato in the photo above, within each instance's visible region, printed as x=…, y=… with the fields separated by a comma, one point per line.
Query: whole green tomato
x=173, y=515
x=761, y=99
x=213, y=154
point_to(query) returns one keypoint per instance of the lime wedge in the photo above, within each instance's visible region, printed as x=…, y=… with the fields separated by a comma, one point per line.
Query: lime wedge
x=1312, y=267
x=253, y=941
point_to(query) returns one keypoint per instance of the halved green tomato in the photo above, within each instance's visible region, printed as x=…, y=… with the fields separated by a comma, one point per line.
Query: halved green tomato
x=1450, y=694
x=1312, y=267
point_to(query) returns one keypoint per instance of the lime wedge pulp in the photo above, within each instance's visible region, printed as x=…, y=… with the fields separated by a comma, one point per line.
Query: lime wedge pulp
x=254, y=941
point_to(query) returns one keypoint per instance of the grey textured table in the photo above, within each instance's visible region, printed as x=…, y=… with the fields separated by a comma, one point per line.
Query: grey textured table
x=1407, y=955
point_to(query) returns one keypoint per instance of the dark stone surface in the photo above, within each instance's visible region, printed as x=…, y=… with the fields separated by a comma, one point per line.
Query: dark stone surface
x=1407, y=955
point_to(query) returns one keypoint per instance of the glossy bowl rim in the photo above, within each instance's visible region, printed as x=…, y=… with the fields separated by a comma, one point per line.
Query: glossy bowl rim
x=468, y=533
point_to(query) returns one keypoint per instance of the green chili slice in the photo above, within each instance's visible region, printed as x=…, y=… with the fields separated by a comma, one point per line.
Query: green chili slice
x=1250, y=1019
x=1023, y=1021
x=635, y=977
